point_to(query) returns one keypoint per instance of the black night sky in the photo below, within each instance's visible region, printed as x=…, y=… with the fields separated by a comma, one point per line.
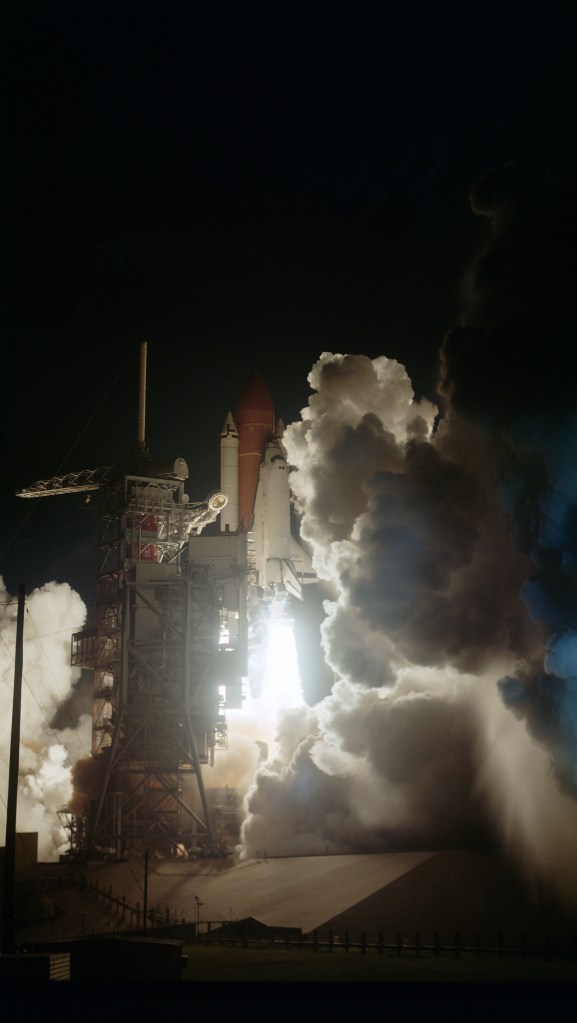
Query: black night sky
x=244, y=186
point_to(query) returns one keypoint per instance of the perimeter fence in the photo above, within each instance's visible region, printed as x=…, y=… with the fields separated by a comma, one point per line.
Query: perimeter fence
x=401, y=945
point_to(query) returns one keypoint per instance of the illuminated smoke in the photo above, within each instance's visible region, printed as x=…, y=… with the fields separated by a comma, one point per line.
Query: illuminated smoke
x=52, y=613
x=447, y=541
x=274, y=693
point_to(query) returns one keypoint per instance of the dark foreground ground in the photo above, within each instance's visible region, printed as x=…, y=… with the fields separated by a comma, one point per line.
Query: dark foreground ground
x=214, y=965
x=274, y=983
x=290, y=985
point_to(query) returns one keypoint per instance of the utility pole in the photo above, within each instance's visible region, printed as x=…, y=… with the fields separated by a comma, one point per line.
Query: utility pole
x=8, y=938
x=145, y=890
x=198, y=905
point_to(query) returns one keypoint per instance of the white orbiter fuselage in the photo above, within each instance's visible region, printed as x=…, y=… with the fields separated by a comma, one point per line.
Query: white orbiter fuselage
x=255, y=478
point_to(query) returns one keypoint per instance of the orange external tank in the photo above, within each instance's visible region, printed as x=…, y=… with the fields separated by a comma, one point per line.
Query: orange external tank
x=255, y=422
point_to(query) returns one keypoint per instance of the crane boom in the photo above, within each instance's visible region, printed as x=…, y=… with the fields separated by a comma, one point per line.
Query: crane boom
x=71, y=483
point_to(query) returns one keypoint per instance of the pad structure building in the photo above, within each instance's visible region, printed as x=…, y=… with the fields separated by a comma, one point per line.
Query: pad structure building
x=164, y=669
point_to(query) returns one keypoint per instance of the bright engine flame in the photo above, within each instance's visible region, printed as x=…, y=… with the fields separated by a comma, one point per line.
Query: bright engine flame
x=281, y=687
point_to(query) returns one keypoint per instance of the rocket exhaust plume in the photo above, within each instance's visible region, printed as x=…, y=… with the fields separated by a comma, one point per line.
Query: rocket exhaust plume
x=445, y=538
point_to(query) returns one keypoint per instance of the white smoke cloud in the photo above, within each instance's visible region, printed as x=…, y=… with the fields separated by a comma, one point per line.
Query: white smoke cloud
x=52, y=613
x=414, y=746
x=537, y=820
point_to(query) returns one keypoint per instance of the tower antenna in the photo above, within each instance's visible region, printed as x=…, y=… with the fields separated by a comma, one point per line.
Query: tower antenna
x=142, y=397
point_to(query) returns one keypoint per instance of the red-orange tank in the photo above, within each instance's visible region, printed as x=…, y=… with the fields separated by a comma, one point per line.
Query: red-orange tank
x=255, y=422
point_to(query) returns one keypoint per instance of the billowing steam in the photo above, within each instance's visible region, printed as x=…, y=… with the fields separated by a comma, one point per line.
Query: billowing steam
x=47, y=753
x=447, y=541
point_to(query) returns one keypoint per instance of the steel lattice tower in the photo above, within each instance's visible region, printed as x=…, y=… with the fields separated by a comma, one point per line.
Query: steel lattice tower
x=167, y=651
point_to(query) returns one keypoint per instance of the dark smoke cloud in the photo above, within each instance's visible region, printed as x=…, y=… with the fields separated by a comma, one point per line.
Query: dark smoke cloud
x=447, y=540
x=521, y=320
x=512, y=358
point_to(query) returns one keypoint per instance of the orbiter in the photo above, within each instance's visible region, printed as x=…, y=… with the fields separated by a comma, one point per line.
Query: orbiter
x=254, y=476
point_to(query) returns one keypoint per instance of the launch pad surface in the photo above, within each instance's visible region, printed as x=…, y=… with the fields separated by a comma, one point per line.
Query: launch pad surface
x=300, y=892
x=445, y=892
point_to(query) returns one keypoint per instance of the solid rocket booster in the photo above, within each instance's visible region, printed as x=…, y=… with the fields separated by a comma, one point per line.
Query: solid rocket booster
x=254, y=476
x=229, y=474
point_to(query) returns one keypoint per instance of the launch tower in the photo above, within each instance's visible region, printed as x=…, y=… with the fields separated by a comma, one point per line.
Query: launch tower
x=167, y=652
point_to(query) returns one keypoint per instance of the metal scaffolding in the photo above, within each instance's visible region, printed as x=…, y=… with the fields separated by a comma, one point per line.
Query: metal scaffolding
x=154, y=654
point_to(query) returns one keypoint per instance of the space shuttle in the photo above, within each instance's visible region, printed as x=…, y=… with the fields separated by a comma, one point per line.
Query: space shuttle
x=254, y=476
